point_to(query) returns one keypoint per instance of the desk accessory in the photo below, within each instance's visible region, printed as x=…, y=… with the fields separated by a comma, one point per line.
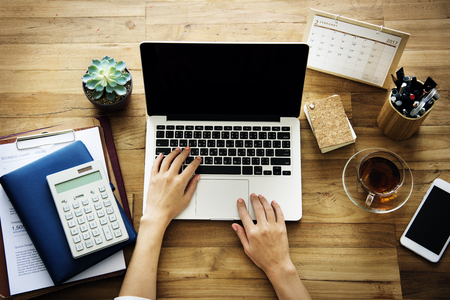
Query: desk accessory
x=28, y=191
x=329, y=123
x=407, y=107
x=353, y=49
x=115, y=175
x=85, y=203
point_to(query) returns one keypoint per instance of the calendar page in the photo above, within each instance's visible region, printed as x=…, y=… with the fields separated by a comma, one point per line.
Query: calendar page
x=352, y=51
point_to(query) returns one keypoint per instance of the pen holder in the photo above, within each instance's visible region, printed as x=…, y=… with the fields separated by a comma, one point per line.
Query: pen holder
x=395, y=125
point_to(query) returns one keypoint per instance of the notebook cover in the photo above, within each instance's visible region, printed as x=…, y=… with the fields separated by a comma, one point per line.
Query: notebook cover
x=30, y=195
x=329, y=123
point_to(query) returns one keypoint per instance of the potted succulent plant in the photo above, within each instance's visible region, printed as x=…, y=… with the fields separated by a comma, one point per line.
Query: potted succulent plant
x=108, y=84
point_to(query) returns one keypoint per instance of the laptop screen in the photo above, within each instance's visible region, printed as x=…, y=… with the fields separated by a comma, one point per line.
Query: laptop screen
x=223, y=81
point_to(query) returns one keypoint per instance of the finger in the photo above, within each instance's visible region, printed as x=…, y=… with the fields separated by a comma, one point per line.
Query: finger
x=190, y=189
x=270, y=215
x=243, y=214
x=179, y=160
x=278, y=212
x=190, y=169
x=241, y=234
x=156, y=164
x=168, y=160
x=258, y=208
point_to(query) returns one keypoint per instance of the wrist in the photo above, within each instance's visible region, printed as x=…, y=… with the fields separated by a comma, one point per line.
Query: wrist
x=282, y=271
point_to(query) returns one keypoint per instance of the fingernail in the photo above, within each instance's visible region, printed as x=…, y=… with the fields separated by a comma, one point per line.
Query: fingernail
x=234, y=227
x=260, y=196
x=198, y=177
x=253, y=194
x=240, y=200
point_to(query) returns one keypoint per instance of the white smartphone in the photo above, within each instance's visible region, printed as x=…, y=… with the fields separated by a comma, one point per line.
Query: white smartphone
x=428, y=232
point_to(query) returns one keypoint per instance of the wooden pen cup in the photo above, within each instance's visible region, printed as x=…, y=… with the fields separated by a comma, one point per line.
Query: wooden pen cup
x=395, y=125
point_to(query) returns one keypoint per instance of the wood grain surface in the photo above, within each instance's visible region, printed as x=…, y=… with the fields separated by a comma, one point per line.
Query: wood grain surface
x=340, y=251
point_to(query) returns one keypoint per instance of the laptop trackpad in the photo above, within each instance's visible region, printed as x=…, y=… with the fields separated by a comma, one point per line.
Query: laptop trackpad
x=216, y=199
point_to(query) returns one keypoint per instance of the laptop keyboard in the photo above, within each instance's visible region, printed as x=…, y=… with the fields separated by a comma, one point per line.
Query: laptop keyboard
x=232, y=150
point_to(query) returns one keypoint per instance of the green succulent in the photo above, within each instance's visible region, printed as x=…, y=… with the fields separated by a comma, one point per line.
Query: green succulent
x=108, y=75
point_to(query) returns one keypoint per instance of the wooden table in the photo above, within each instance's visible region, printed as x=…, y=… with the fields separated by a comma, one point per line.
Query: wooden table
x=340, y=251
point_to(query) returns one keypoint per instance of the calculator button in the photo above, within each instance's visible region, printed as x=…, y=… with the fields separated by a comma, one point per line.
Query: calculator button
x=93, y=225
x=100, y=213
x=107, y=232
x=118, y=233
x=95, y=198
x=89, y=244
x=95, y=232
x=107, y=203
x=66, y=208
x=86, y=236
x=90, y=217
x=109, y=210
x=71, y=223
x=103, y=221
x=98, y=206
x=115, y=225
x=79, y=247
x=74, y=231
x=85, y=202
x=87, y=210
x=76, y=239
x=78, y=212
x=75, y=205
x=112, y=218
x=81, y=220
x=102, y=189
x=104, y=195
x=98, y=240
x=69, y=216
x=83, y=228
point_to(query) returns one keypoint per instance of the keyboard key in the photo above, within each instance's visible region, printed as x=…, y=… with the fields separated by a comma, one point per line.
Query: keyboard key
x=280, y=161
x=247, y=170
x=276, y=170
x=230, y=170
x=283, y=135
x=282, y=152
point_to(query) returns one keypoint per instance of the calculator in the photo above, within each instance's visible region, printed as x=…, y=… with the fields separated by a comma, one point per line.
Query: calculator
x=87, y=209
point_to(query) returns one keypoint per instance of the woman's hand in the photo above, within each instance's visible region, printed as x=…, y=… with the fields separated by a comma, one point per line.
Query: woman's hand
x=265, y=242
x=170, y=191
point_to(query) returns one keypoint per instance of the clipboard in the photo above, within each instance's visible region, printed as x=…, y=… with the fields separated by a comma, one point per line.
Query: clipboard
x=353, y=49
x=64, y=133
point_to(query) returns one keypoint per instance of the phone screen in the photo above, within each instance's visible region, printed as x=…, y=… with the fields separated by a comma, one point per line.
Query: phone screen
x=431, y=227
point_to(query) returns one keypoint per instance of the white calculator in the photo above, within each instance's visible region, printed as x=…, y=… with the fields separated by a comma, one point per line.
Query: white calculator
x=88, y=211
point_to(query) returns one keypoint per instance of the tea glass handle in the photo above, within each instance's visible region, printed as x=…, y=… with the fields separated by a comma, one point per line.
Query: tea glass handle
x=369, y=199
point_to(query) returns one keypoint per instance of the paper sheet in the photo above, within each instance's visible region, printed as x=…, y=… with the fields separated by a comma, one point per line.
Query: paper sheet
x=26, y=272
x=351, y=50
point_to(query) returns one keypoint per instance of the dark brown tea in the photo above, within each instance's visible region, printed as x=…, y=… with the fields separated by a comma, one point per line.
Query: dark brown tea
x=379, y=175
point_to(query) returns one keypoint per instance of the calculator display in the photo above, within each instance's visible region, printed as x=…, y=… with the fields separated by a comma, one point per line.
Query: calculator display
x=77, y=182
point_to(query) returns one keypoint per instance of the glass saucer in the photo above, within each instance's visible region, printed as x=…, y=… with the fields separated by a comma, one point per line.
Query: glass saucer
x=358, y=195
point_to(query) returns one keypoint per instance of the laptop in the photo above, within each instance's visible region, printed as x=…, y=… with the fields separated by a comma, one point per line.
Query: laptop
x=236, y=105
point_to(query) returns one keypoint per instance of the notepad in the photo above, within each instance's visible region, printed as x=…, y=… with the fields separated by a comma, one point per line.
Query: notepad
x=329, y=123
x=352, y=49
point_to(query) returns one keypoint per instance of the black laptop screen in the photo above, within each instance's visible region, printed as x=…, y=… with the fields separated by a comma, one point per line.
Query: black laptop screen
x=224, y=81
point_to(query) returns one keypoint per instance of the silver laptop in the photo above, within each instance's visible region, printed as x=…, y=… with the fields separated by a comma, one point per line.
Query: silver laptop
x=236, y=105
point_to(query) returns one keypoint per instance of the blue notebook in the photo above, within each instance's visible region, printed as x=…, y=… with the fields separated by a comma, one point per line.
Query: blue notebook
x=28, y=191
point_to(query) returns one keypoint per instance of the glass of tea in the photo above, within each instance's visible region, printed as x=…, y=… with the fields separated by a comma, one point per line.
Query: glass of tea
x=377, y=180
x=381, y=174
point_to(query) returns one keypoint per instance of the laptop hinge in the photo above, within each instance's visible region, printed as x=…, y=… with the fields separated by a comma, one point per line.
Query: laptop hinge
x=213, y=117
